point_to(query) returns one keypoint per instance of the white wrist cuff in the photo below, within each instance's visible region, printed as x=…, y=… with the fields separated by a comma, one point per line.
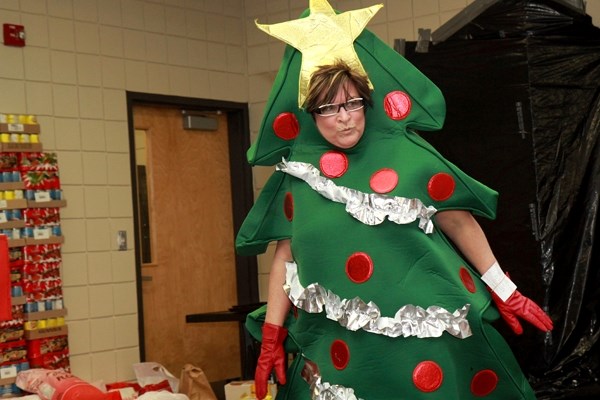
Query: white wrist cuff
x=497, y=280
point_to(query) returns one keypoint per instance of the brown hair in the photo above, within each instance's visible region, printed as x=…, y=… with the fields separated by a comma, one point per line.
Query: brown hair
x=326, y=81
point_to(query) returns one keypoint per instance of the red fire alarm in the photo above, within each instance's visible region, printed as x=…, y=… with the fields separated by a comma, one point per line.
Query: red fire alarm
x=14, y=35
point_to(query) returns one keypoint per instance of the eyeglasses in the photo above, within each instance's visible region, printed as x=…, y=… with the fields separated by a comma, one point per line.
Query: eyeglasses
x=327, y=110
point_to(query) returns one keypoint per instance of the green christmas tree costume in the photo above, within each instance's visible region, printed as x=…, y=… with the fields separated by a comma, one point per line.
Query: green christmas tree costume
x=385, y=308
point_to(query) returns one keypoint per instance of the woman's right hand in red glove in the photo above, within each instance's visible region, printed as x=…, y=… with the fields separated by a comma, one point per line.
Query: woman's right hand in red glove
x=272, y=357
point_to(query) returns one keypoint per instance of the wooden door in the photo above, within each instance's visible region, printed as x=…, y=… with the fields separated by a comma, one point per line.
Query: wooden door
x=192, y=268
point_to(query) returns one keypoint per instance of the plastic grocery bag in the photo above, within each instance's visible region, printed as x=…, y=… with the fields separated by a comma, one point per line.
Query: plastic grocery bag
x=58, y=385
x=153, y=375
x=162, y=396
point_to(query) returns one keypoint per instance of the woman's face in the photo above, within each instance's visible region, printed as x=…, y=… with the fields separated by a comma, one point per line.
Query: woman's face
x=343, y=129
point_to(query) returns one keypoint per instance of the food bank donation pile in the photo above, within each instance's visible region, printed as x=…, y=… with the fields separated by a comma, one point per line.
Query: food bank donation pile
x=153, y=383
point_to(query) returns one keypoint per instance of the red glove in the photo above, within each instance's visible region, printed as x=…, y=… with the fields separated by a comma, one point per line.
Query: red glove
x=518, y=305
x=272, y=356
x=512, y=304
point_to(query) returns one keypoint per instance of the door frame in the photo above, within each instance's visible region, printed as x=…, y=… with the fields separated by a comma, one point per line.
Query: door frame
x=241, y=186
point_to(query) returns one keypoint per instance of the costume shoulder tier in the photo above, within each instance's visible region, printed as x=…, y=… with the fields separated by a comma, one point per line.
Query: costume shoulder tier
x=404, y=167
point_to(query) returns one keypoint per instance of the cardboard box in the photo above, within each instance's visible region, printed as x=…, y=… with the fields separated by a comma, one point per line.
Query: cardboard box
x=12, y=204
x=34, y=316
x=12, y=185
x=24, y=128
x=20, y=147
x=46, y=332
x=16, y=242
x=238, y=390
x=46, y=204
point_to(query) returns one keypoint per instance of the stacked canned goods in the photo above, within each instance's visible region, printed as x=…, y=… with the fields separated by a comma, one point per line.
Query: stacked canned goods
x=30, y=197
x=13, y=350
x=41, y=280
x=15, y=128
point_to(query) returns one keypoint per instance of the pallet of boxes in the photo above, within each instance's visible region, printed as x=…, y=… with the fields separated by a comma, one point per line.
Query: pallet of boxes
x=33, y=333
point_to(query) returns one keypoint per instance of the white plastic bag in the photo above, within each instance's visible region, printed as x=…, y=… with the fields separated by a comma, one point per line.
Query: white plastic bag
x=162, y=396
x=151, y=373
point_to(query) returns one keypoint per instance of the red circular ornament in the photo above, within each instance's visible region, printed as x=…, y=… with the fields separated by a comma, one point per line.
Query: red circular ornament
x=333, y=164
x=288, y=206
x=428, y=376
x=441, y=186
x=340, y=354
x=397, y=105
x=484, y=382
x=286, y=126
x=359, y=267
x=467, y=280
x=384, y=180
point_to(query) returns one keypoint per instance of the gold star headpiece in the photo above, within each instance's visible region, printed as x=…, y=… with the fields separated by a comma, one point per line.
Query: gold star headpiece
x=323, y=37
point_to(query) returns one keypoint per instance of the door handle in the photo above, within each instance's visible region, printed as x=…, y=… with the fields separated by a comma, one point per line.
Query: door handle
x=146, y=278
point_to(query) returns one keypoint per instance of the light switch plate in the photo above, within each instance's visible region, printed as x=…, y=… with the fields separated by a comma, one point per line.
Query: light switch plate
x=122, y=240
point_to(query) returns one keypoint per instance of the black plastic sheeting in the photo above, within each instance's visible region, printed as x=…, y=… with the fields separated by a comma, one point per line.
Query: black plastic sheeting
x=521, y=81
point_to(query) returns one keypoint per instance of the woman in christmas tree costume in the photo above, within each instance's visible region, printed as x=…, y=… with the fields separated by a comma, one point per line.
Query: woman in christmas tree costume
x=364, y=212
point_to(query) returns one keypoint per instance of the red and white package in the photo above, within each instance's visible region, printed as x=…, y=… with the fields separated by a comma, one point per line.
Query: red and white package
x=59, y=385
